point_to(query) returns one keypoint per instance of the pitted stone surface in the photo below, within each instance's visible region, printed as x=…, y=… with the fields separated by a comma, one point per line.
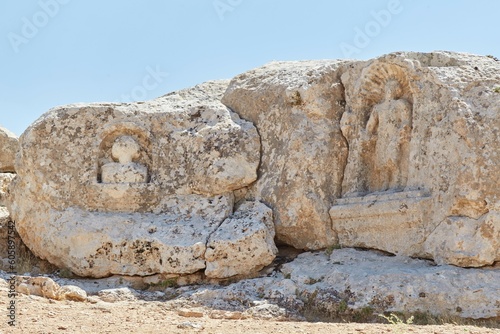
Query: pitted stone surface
x=132, y=189
x=244, y=243
x=9, y=145
x=341, y=138
x=5, y=180
x=395, y=153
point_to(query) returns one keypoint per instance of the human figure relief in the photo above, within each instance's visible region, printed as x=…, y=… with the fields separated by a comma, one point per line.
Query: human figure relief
x=390, y=126
x=125, y=149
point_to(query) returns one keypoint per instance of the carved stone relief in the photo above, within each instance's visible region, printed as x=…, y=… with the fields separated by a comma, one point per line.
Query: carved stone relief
x=377, y=126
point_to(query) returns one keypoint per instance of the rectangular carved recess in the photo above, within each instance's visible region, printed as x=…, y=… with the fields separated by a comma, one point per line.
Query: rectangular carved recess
x=379, y=205
x=392, y=221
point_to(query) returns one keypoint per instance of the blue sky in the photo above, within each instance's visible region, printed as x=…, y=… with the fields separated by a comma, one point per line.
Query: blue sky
x=55, y=52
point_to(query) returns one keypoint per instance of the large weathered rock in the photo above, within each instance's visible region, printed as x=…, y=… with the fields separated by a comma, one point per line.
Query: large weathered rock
x=243, y=244
x=394, y=153
x=391, y=147
x=296, y=107
x=423, y=124
x=132, y=189
x=9, y=146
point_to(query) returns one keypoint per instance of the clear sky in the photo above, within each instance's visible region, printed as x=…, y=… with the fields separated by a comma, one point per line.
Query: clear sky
x=55, y=52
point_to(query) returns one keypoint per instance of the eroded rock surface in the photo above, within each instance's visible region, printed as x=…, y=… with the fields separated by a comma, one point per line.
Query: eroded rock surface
x=328, y=285
x=132, y=189
x=319, y=286
x=5, y=180
x=466, y=242
x=9, y=145
x=368, y=279
x=296, y=107
x=243, y=244
x=391, y=147
x=396, y=153
x=422, y=123
x=46, y=287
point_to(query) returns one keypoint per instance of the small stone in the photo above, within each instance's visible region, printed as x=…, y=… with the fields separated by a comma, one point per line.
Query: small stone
x=117, y=295
x=227, y=315
x=74, y=293
x=190, y=325
x=188, y=313
x=38, y=286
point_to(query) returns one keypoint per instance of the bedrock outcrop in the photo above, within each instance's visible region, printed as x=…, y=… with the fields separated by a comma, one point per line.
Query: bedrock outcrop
x=323, y=285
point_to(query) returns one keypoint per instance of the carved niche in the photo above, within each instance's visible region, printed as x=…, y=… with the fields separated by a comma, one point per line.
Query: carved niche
x=378, y=209
x=124, y=177
x=377, y=126
x=124, y=155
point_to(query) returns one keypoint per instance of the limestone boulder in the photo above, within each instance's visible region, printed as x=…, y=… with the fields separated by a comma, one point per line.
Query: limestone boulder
x=376, y=153
x=73, y=293
x=421, y=126
x=244, y=243
x=393, y=153
x=132, y=189
x=9, y=145
x=38, y=286
x=296, y=107
x=466, y=242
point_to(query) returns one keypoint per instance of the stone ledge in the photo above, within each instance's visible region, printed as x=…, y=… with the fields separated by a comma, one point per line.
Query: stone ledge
x=392, y=221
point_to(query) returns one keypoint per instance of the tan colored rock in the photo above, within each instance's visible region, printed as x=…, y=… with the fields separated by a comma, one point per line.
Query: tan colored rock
x=466, y=242
x=71, y=292
x=227, y=315
x=5, y=180
x=190, y=313
x=394, y=284
x=388, y=147
x=296, y=107
x=9, y=146
x=397, y=221
x=417, y=122
x=117, y=295
x=421, y=123
x=315, y=283
x=378, y=154
x=38, y=286
x=244, y=243
x=132, y=189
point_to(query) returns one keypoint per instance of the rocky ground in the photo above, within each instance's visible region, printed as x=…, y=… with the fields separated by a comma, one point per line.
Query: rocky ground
x=287, y=297
x=40, y=315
